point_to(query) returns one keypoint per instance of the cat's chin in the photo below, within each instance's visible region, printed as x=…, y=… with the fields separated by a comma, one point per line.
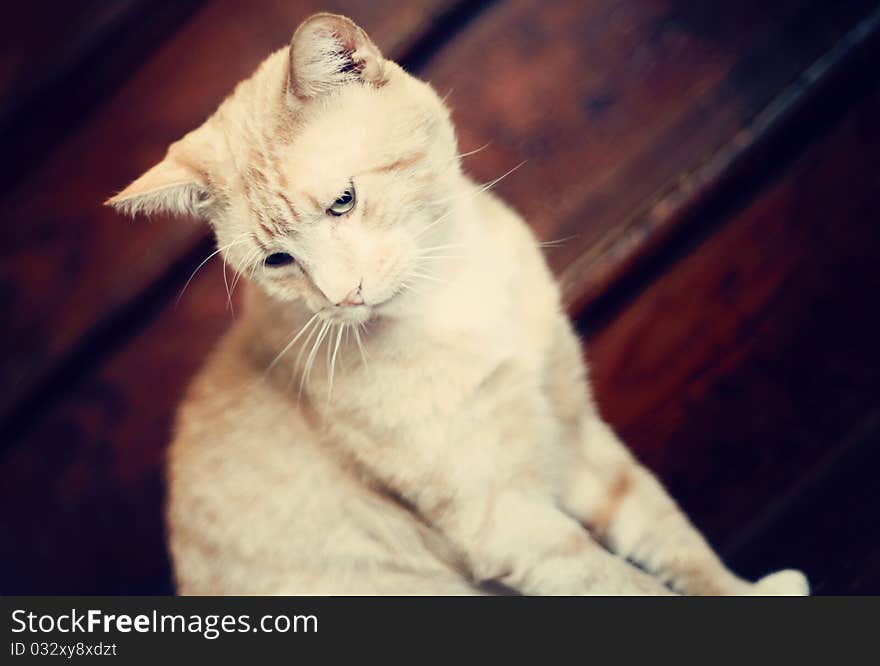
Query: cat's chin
x=360, y=314
x=352, y=314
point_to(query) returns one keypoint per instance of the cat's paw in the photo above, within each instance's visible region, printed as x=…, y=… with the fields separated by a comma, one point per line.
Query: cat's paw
x=788, y=582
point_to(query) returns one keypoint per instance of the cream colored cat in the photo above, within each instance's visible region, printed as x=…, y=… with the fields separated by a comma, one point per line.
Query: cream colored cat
x=403, y=406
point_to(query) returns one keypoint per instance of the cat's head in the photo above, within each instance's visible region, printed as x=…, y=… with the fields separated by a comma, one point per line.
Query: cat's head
x=324, y=176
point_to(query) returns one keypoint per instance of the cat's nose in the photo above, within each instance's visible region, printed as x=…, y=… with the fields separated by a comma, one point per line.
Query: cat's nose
x=354, y=297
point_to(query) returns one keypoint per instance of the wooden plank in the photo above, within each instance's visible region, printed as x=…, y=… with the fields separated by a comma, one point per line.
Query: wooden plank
x=754, y=356
x=69, y=264
x=60, y=61
x=614, y=105
x=34, y=35
x=593, y=275
x=88, y=475
x=831, y=528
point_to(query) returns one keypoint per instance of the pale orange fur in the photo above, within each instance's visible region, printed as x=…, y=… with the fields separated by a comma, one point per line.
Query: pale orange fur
x=449, y=439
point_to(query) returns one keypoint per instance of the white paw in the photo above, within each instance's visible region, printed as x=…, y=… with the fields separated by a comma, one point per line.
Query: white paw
x=788, y=582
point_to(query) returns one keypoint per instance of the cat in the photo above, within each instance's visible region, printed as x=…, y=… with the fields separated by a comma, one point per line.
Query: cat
x=403, y=407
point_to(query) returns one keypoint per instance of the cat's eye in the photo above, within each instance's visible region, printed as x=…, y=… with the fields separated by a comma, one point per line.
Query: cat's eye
x=279, y=259
x=344, y=202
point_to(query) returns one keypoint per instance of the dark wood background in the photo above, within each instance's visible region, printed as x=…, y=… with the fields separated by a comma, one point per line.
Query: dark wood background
x=714, y=170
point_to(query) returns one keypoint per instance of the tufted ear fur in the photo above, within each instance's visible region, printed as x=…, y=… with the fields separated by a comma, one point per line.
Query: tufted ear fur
x=328, y=50
x=172, y=186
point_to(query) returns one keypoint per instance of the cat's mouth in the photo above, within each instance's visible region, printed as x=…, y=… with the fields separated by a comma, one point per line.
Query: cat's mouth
x=355, y=314
x=350, y=314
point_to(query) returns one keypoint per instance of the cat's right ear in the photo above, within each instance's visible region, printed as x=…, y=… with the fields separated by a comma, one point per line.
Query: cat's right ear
x=170, y=187
x=329, y=50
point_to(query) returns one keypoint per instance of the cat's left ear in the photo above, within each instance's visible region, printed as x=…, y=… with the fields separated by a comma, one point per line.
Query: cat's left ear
x=329, y=50
x=172, y=187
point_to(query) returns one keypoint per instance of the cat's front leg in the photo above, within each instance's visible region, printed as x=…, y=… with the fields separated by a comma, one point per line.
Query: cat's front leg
x=623, y=503
x=627, y=507
x=476, y=477
x=528, y=545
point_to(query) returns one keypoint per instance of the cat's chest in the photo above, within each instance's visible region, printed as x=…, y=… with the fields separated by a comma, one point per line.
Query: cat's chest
x=437, y=367
x=432, y=384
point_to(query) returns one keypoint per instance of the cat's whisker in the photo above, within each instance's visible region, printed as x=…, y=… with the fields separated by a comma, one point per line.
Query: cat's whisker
x=427, y=276
x=319, y=341
x=305, y=346
x=557, y=242
x=249, y=261
x=236, y=277
x=330, y=346
x=482, y=188
x=437, y=254
x=475, y=150
x=205, y=261
x=360, y=344
x=229, y=307
x=433, y=224
x=333, y=359
x=310, y=360
x=240, y=268
x=310, y=356
x=440, y=219
x=432, y=267
x=292, y=342
x=408, y=286
x=256, y=265
x=493, y=183
x=437, y=248
x=344, y=343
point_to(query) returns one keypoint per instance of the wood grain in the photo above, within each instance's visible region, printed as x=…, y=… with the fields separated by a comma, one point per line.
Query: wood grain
x=36, y=35
x=830, y=527
x=87, y=477
x=60, y=61
x=593, y=276
x=754, y=356
x=613, y=105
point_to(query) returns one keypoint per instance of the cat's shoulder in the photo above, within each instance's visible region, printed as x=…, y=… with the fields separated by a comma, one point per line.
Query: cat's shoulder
x=229, y=390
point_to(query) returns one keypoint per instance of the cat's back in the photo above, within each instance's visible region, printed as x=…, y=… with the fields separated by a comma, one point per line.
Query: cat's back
x=515, y=264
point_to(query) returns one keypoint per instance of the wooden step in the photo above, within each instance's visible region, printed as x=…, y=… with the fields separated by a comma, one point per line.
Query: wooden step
x=60, y=61
x=752, y=358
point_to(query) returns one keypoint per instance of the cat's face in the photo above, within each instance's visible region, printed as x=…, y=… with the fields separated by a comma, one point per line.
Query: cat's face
x=326, y=176
x=340, y=214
